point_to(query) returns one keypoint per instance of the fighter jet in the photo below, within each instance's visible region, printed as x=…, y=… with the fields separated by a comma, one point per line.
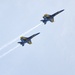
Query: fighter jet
x=50, y=18
x=27, y=39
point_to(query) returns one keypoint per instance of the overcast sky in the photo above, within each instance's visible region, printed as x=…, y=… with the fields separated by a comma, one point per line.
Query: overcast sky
x=52, y=52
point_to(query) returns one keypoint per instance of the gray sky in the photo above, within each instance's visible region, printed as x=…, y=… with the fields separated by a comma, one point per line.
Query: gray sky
x=52, y=51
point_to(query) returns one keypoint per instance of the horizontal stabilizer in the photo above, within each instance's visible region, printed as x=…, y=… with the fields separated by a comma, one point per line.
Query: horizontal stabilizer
x=44, y=21
x=21, y=43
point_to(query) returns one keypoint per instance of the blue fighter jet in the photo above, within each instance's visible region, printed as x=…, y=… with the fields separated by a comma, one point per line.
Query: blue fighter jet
x=27, y=39
x=50, y=18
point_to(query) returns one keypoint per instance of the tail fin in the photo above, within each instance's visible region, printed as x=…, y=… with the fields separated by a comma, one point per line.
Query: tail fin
x=44, y=21
x=21, y=43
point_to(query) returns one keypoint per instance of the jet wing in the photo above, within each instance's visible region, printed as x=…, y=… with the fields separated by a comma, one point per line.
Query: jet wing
x=23, y=38
x=57, y=13
x=29, y=42
x=46, y=16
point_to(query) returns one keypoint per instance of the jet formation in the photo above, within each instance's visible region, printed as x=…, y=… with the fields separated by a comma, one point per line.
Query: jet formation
x=27, y=39
x=46, y=18
x=50, y=18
